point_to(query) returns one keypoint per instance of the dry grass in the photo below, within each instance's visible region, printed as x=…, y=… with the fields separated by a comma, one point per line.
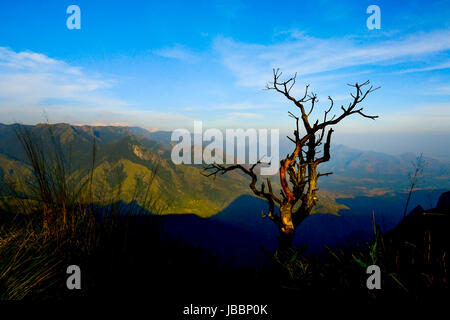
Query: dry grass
x=57, y=219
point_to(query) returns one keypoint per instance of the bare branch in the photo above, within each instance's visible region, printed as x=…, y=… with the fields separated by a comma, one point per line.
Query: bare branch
x=298, y=170
x=214, y=169
x=324, y=174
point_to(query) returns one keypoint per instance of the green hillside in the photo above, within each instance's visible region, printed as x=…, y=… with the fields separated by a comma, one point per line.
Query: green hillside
x=124, y=158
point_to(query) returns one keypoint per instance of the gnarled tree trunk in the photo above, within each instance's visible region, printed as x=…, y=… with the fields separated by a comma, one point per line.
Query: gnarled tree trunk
x=287, y=229
x=298, y=171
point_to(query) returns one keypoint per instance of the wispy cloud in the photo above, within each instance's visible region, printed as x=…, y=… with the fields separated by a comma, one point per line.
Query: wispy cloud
x=441, y=66
x=420, y=118
x=444, y=90
x=41, y=85
x=177, y=52
x=252, y=63
x=32, y=83
x=32, y=79
x=27, y=60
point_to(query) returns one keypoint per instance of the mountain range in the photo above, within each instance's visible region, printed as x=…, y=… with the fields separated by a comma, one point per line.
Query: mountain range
x=123, y=154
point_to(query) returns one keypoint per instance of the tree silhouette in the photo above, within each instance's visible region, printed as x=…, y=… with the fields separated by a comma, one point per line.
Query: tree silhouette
x=299, y=170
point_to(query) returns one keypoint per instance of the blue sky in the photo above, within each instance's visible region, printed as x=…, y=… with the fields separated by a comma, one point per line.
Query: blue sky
x=160, y=65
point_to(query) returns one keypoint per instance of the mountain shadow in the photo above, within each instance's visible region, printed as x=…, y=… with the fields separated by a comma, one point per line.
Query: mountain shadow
x=236, y=234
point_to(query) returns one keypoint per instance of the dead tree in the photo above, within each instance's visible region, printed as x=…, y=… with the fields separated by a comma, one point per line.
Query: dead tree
x=299, y=170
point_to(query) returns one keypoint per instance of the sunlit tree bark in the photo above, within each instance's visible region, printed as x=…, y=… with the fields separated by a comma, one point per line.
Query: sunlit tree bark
x=299, y=170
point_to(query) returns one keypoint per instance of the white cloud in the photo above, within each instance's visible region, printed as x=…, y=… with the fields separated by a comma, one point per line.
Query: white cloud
x=420, y=118
x=252, y=63
x=34, y=86
x=177, y=52
x=32, y=79
x=444, y=90
x=441, y=66
x=27, y=60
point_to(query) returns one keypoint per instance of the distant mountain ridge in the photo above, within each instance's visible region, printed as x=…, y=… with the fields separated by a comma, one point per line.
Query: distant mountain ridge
x=136, y=151
x=373, y=173
x=362, y=172
x=119, y=153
